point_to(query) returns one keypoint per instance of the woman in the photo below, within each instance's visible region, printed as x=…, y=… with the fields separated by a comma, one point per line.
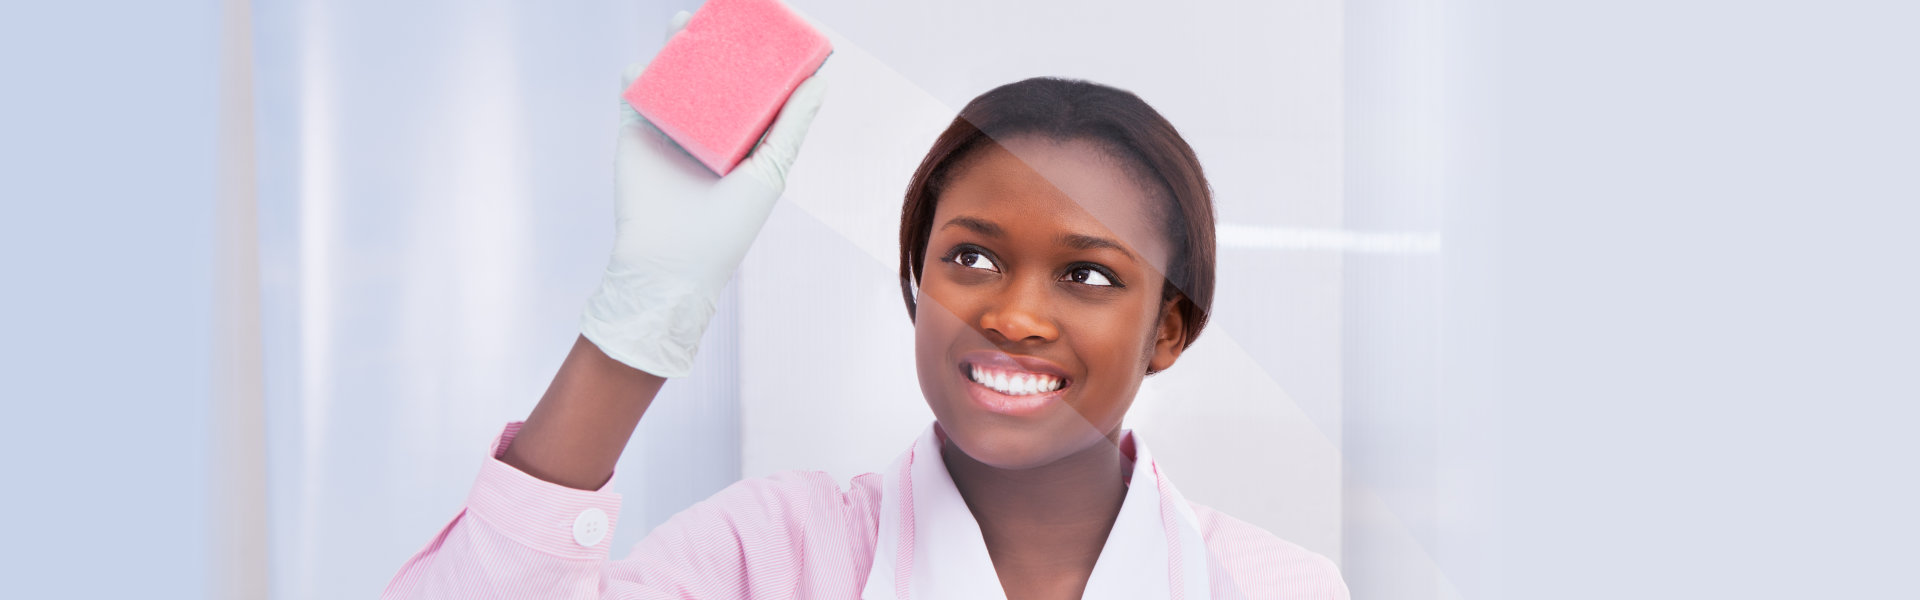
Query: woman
x=1056, y=248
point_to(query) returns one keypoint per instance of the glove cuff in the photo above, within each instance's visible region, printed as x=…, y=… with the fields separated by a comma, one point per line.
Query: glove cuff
x=647, y=322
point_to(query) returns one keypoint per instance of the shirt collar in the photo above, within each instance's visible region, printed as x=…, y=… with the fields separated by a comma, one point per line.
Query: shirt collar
x=930, y=547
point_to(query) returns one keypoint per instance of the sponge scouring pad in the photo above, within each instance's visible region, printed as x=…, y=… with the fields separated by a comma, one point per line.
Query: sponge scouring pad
x=718, y=84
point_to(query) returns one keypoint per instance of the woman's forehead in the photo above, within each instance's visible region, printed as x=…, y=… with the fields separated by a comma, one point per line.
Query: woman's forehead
x=1030, y=185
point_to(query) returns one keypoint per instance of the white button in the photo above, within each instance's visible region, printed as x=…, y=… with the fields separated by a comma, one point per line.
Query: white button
x=590, y=527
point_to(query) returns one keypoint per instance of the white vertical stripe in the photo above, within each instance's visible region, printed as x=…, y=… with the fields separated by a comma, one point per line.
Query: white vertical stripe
x=316, y=201
x=485, y=215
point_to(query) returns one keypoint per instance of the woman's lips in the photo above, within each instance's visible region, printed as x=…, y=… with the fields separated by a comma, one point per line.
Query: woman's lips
x=1012, y=385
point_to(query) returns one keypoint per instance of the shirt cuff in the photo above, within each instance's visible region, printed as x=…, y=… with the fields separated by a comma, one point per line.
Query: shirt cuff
x=542, y=515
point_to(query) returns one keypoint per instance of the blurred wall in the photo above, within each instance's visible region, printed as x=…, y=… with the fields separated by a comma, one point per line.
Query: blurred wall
x=1684, y=312
x=109, y=156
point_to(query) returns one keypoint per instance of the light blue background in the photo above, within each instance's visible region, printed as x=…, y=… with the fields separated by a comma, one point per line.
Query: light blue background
x=108, y=149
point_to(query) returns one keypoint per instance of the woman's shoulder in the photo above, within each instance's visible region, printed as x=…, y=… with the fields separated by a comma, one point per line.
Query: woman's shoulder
x=790, y=502
x=1245, y=557
x=805, y=489
x=769, y=529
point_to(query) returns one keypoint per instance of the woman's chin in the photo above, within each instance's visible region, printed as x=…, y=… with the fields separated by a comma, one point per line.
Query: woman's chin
x=1018, y=448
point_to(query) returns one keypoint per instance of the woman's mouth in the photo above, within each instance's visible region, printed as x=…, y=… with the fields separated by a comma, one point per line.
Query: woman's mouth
x=1016, y=383
x=1012, y=386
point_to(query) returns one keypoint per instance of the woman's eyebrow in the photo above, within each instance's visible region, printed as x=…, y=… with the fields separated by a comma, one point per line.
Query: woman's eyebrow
x=980, y=226
x=1076, y=241
x=1079, y=241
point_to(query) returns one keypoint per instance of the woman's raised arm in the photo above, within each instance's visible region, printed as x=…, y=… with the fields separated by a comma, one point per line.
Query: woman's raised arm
x=574, y=437
x=536, y=523
x=680, y=232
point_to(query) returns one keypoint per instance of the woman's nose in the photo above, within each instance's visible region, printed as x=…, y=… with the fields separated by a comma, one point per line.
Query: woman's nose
x=1020, y=313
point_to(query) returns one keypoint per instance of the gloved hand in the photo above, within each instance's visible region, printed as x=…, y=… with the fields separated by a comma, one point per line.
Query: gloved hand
x=681, y=231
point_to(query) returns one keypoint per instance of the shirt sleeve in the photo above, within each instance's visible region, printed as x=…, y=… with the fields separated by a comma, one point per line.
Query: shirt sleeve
x=519, y=536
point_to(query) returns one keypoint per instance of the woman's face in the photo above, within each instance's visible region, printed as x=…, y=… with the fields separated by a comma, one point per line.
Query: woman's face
x=1040, y=301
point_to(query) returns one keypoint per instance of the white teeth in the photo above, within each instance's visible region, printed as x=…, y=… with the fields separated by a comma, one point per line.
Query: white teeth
x=1015, y=384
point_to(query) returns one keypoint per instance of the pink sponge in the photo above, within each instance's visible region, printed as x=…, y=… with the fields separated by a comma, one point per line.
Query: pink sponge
x=718, y=83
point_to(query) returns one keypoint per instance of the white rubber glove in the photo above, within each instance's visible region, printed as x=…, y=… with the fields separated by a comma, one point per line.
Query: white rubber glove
x=681, y=232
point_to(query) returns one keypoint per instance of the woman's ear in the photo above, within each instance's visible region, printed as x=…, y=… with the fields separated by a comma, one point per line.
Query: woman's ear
x=1170, y=338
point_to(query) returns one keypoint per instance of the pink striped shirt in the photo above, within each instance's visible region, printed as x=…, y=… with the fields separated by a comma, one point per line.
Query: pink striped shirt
x=898, y=534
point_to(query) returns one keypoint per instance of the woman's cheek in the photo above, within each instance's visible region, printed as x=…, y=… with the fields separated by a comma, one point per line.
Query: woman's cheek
x=1109, y=353
x=937, y=330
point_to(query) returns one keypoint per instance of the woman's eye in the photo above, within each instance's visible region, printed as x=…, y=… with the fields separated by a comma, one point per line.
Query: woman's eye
x=1089, y=276
x=975, y=259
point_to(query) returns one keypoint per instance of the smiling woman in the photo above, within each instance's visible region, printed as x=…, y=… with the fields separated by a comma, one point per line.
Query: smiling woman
x=1056, y=249
x=1073, y=230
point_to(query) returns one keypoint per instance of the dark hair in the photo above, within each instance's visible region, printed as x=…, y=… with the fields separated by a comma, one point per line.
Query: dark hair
x=1068, y=109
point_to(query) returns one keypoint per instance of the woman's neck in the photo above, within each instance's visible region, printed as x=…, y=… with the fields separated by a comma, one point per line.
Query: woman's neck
x=1044, y=527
